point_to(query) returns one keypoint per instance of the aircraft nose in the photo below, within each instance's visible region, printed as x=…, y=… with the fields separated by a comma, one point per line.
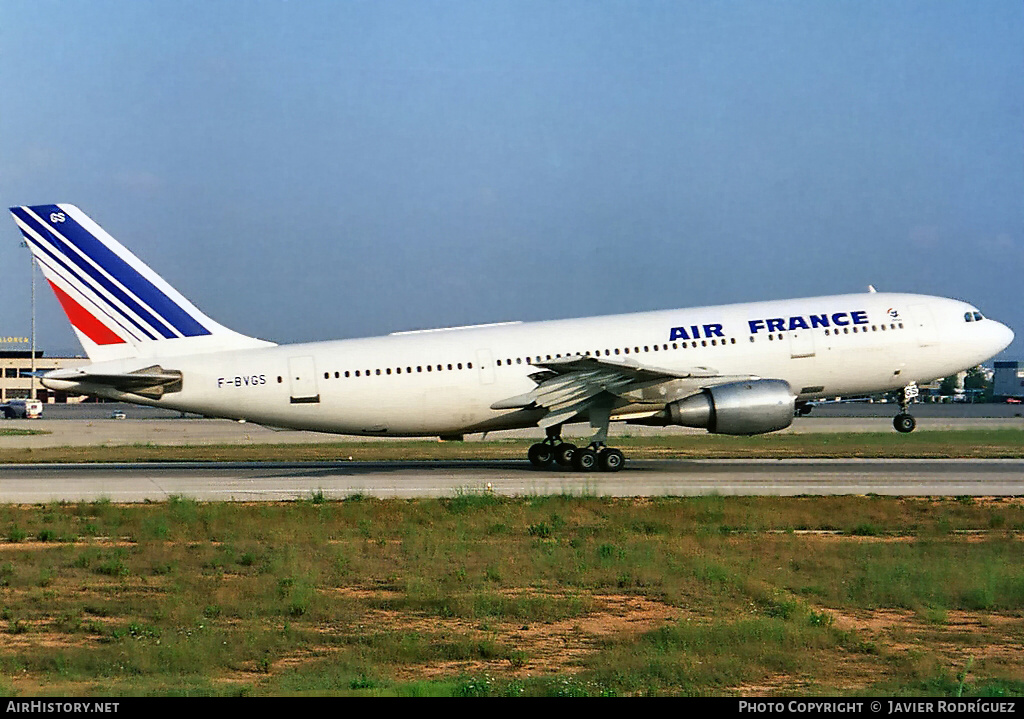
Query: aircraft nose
x=1002, y=336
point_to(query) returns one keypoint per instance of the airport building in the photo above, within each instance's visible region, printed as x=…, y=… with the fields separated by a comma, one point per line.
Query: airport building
x=1008, y=380
x=17, y=382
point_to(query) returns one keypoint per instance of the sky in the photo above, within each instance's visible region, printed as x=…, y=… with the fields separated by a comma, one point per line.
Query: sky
x=323, y=170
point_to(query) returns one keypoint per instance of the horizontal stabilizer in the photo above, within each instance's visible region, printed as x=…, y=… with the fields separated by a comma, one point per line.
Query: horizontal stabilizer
x=153, y=382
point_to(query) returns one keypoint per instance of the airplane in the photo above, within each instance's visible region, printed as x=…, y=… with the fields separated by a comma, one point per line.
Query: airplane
x=739, y=369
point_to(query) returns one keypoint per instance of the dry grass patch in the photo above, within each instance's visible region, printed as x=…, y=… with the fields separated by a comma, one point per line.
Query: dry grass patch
x=538, y=647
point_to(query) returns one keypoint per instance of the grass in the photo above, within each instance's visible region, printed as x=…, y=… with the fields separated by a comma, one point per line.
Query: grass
x=1001, y=443
x=11, y=432
x=478, y=595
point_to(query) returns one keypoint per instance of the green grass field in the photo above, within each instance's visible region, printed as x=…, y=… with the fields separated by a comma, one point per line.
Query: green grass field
x=482, y=595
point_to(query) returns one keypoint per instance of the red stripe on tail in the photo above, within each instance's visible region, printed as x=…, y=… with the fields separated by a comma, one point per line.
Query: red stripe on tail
x=84, y=322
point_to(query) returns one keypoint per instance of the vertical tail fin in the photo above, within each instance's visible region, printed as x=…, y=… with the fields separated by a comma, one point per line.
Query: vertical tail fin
x=118, y=307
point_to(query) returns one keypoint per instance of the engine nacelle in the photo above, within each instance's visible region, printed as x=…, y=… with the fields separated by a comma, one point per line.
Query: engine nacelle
x=752, y=407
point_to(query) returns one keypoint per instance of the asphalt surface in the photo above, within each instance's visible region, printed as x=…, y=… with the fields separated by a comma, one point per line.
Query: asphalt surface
x=273, y=481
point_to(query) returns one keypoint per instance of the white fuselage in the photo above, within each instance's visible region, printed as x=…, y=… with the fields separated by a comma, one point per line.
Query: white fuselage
x=445, y=381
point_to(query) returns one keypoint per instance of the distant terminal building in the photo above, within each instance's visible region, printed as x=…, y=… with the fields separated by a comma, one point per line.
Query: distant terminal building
x=1008, y=380
x=16, y=381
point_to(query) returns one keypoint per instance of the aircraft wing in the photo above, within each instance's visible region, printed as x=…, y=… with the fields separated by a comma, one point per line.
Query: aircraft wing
x=566, y=387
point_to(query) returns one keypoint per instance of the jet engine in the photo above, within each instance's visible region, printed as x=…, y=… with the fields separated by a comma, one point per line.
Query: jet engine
x=751, y=407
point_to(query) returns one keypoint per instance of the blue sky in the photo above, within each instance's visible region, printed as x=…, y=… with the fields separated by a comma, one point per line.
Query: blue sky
x=318, y=170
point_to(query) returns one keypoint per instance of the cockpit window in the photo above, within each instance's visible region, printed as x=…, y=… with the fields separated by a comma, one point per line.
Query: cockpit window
x=978, y=316
x=968, y=317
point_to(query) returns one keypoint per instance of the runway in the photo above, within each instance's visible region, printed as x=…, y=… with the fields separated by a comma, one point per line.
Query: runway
x=273, y=481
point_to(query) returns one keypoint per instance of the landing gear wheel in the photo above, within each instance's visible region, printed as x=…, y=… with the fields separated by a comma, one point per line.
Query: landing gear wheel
x=541, y=455
x=904, y=423
x=610, y=460
x=564, y=453
x=584, y=460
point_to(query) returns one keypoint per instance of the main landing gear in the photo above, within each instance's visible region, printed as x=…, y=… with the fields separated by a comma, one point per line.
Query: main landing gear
x=904, y=422
x=587, y=459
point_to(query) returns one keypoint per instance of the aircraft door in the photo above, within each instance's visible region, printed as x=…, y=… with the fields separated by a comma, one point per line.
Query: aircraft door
x=302, y=380
x=801, y=343
x=924, y=325
x=486, y=364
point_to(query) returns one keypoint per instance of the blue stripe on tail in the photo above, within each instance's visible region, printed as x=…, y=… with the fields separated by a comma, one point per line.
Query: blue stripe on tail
x=128, y=276
x=73, y=272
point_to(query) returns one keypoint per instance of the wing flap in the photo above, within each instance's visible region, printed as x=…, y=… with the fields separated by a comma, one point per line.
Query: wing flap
x=573, y=385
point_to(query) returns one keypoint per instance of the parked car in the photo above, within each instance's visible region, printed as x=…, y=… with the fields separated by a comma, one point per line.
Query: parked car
x=118, y=414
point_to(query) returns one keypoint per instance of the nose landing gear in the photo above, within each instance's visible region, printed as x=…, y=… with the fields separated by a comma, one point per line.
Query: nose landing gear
x=904, y=422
